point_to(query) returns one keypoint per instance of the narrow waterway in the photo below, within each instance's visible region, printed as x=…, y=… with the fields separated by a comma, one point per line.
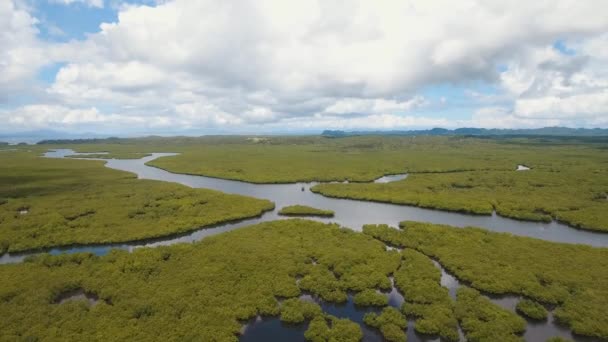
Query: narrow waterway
x=349, y=213
x=265, y=328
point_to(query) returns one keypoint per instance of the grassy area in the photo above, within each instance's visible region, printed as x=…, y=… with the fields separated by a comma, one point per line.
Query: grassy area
x=51, y=202
x=303, y=210
x=473, y=175
x=572, y=277
x=202, y=291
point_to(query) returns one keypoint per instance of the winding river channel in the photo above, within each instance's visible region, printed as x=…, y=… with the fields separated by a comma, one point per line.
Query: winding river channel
x=349, y=213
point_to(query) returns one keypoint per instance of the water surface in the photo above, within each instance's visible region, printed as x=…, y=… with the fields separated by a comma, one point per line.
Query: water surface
x=350, y=213
x=353, y=213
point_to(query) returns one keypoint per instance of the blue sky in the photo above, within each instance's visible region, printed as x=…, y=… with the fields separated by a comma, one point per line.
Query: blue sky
x=141, y=67
x=73, y=22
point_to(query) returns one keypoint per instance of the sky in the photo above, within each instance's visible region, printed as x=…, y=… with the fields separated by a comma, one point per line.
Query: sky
x=256, y=66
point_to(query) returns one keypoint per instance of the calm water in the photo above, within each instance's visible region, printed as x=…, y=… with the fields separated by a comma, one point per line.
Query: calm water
x=271, y=328
x=350, y=213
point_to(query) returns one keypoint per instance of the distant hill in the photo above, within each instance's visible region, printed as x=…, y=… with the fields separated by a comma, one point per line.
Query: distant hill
x=546, y=131
x=34, y=136
x=110, y=140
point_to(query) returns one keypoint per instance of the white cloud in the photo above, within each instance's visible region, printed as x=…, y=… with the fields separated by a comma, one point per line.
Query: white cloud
x=571, y=107
x=20, y=52
x=374, y=121
x=548, y=86
x=327, y=64
x=366, y=106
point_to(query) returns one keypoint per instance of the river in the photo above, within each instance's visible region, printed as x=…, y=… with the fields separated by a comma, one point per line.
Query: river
x=349, y=213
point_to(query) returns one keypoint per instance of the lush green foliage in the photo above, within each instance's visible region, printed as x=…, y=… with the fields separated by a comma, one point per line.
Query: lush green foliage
x=471, y=175
x=294, y=310
x=385, y=233
x=52, y=202
x=558, y=339
x=370, y=297
x=390, y=322
x=419, y=281
x=303, y=210
x=574, y=277
x=531, y=309
x=338, y=330
x=483, y=320
x=199, y=291
x=578, y=194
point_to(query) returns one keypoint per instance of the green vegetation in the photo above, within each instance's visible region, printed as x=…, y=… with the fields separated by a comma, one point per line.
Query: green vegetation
x=558, y=339
x=390, y=322
x=420, y=282
x=294, y=310
x=338, y=330
x=303, y=210
x=201, y=291
x=482, y=320
x=464, y=174
x=369, y=297
x=531, y=309
x=52, y=202
x=573, y=277
x=578, y=195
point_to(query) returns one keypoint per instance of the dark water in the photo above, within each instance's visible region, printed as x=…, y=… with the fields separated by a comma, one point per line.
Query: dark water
x=272, y=329
x=535, y=330
x=349, y=213
x=266, y=329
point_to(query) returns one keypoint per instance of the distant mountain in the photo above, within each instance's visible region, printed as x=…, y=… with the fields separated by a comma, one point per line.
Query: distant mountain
x=35, y=136
x=109, y=140
x=546, y=131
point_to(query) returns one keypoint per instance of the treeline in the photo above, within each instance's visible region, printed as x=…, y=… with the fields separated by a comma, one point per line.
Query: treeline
x=303, y=210
x=546, y=131
x=110, y=140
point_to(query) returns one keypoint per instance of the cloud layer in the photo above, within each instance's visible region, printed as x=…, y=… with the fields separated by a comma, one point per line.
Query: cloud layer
x=276, y=65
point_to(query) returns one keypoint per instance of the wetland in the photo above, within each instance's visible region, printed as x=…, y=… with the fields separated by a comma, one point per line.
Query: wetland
x=380, y=267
